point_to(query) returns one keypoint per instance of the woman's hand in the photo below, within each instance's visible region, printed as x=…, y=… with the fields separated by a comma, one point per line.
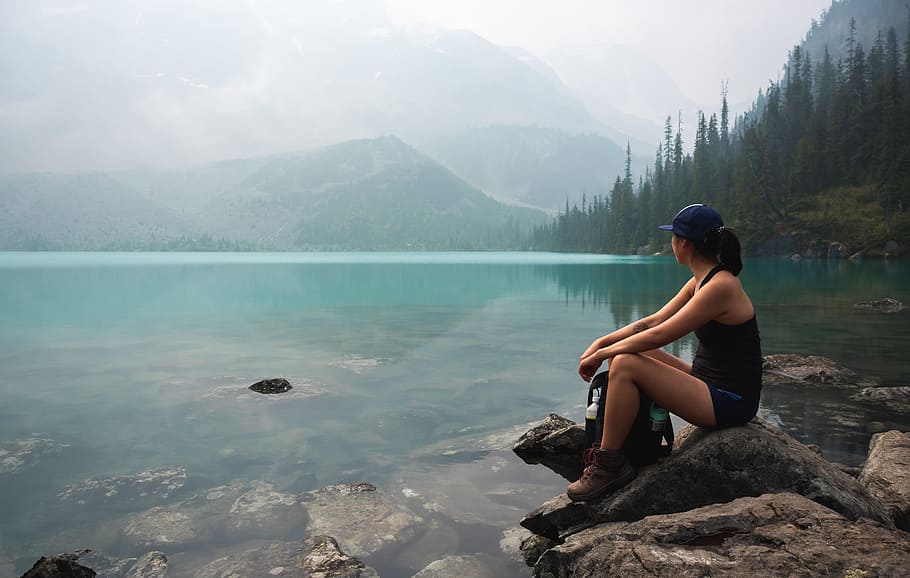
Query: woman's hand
x=589, y=365
x=595, y=345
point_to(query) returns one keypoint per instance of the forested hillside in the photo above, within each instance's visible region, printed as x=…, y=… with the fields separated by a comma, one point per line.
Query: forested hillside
x=823, y=155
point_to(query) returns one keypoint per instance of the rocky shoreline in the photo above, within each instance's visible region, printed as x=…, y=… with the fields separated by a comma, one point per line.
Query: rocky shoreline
x=741, y=501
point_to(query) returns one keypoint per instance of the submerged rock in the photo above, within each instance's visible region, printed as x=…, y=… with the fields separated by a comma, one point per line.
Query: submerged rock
x=128, y=492
x=773, y=534
x=886, y=474
x=263, y=512
x=362, y=519
x=272, y=386
x=60, y=566
x=160, y=527
x=277, y=559
x=895, y=397
x=886, y=305
x=20, y=455
x=106, y=566
x=318, y=557
x=788, y=368
x=708, y=467
x=476, y=566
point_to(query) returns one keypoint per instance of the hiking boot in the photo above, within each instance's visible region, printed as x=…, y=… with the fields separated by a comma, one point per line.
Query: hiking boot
x=607, y=470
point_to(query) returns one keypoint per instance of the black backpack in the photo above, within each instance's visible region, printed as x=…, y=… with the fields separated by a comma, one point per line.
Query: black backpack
x=643, y=445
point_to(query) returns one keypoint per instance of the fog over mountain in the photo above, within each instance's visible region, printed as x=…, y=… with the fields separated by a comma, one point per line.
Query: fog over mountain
x=110, y=84
x=630, y=93
x=134, y=123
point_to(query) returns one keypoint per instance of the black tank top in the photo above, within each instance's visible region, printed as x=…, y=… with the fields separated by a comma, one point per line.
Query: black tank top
x=729, y=356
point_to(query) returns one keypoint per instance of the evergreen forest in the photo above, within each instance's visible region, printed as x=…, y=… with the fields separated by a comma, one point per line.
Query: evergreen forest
x=823, y=154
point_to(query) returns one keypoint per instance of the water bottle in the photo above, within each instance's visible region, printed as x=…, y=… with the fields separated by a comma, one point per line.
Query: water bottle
x=658, y=417
x=591, y=412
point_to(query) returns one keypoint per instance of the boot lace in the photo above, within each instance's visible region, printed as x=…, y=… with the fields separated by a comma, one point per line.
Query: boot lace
x=590, y=456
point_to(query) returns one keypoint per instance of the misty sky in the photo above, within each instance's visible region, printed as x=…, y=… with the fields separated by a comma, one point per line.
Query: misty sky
x=94, y=84
x=698, y=42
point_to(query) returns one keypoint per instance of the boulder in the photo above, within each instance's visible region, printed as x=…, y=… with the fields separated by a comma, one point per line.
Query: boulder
x=886, y=305
x=272, y=386
x=769, y=535
x=361, y=518
x=60, y=566
x=789, y=368
x=557, y=443
x=714, y=466
x=886, y=474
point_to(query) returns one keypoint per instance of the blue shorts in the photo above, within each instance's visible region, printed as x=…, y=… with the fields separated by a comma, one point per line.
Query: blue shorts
x=731, y=409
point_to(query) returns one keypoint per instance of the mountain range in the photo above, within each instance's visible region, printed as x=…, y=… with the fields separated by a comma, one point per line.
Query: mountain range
x=370, y=194
x=99, y=96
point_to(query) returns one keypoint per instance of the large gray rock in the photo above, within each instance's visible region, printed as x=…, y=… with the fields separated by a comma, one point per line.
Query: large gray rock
x=127, y=492
x=557, y=443
x=361, y=518
x=770, y=535
x=709, y=467
x=886, y=474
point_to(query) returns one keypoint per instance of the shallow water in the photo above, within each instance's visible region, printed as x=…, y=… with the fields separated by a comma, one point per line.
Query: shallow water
x=403, y=365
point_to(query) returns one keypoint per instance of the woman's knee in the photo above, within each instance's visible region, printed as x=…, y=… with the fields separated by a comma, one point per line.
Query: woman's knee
x=624, y=363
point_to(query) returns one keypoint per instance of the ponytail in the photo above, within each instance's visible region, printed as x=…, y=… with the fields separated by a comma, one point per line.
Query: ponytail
x=722, y=245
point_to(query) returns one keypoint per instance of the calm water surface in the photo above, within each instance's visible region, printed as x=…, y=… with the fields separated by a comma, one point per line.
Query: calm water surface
x=409, y=370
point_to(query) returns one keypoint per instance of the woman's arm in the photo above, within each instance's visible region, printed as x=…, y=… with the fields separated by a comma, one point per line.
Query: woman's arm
x=653, y=320
x=709, y=303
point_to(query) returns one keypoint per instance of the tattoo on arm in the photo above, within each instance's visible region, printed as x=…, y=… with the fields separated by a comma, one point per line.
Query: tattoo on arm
x=639, y=327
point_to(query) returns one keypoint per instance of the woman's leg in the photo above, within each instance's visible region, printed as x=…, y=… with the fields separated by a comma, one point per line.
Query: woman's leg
x=671, y=387
x=669, y=359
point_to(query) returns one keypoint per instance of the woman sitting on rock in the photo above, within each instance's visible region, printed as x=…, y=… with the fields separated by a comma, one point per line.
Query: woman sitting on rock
x=722, y=385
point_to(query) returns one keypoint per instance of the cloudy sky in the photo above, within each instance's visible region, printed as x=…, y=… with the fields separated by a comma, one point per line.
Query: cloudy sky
x=106, y=83
x=698, y=42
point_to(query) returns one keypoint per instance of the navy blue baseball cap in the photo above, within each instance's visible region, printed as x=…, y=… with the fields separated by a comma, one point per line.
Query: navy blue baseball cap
x=695, y=222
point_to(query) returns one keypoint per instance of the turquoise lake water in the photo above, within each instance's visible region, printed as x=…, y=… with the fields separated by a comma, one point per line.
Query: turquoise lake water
x=403, y=365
